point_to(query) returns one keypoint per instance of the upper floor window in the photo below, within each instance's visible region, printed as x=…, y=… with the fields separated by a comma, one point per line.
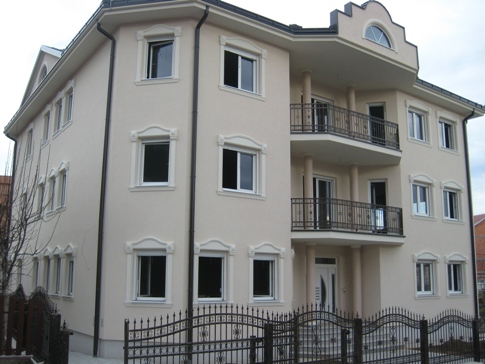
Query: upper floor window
x=59, y=115
x=153, y=158
x=47, y=126
x=242, y=66
x=30, y=143
x=69, y=101
x=158, y=54
x=422, y=195
x=451, y=201
x=447, y=135
x=241, y=165
x=377, y=35
x=417, y=125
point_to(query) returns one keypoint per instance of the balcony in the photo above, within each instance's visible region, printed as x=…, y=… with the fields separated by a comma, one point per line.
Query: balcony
x=342, y=136
x=320, y=218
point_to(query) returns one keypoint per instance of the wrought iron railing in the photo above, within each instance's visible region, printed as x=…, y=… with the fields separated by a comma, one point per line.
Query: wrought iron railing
x=326, y=118
x=335, y=214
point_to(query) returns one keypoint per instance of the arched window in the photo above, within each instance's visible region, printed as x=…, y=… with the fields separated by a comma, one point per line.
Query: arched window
x=376, y=34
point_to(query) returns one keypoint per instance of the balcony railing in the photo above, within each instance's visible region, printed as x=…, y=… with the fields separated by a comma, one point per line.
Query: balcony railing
x=326, y=118
x=335, y=214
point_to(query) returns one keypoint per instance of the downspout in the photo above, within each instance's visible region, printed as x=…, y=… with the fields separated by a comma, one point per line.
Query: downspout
x=102, y=197
x=10, y=202
x=193, y=169
x=470, y=212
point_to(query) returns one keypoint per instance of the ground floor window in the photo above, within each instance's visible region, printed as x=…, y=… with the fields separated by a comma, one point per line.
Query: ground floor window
x=151, y=276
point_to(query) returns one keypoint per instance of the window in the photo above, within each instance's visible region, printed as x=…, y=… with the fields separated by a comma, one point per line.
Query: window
x=151, y=276
x=149, y=271
x=43, y=73
x=155, y=162
x=241, y=165
x=377, y=35
x=422, y=195
x=35, y=276
x=70, y=277
x=158, y=54
x=160, y=59
x=41, y=192
x=47, y=276
x=69, y=100
x=421, y=200
x=153, y=159
x=58, y=275
x=52, y=194
x=58, y=115
x=455, y=266
x=214, y=271
x=239, y=71
x=266, y=273
x=425, y=273
x=70, y=253
x=417, y=126
x=450, y=205
x=47, y=123
x=447, y=135
x=63, y=180
x=242, y=66
x=238, y=170
x=30, y=141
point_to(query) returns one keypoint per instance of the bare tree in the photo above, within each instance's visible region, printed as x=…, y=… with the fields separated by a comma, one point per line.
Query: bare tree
x=23, y=203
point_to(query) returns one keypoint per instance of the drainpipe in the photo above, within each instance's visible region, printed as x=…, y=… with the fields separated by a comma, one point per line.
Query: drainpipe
x=470, y=212
x=10, y=197
x=102, y=198
x=193, y=169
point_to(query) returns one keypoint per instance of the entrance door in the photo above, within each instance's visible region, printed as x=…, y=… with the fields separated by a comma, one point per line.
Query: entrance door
x=326, y=283
x=320, y=115
x=379, y=201
x=322, y=191
x=377, y=128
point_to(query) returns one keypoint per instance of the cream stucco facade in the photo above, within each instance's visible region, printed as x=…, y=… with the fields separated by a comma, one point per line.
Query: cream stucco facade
x=318, y=202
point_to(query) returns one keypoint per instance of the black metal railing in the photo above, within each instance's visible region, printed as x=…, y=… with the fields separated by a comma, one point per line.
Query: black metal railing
x=312, y=334
x=335, y=214
x=326, y=118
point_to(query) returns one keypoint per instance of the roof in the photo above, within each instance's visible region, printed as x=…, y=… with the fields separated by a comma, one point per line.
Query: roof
x=478, y=219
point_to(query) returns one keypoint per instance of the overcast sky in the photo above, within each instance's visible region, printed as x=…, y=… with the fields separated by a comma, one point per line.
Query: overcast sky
x=449, y=35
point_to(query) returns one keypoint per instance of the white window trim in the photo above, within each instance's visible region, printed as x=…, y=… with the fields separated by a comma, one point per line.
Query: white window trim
x=385, y=29
x=29, y=143
x=215, y=247
x=418, y=107
x=146, y=245
x=47, y=119
x=70, y=253
x=268, y=249
x=247, y=49
x=56, y=257
x=41, y=189
x=155, y=133
x=427, y=257
x=62, y=171
x=444, y=117
x=452, y=186
x=52, y=188
x=457, y=258
x=423, y=180
x=35, y=271
x=144, y=37
x=47, y=269
x=244, y=144
x=68, y=90
x=57, y=126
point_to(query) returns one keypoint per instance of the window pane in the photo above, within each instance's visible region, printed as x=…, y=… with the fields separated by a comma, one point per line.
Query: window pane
x=246, y=171
x=155, y=163
x=247, y=74
x=263, y=278
x=151, y=276
x=231, y=69
x=161, y=59
x=229, y=169
x=418, y=278
x=210, y=277
x=427, y=277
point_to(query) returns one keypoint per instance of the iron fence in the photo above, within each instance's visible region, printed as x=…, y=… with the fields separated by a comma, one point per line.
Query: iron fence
x=232, y=334
x=336, y=214
x=326, y=118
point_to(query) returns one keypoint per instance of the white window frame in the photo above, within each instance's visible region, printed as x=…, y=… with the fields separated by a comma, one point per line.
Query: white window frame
x=59, y=114
x=386, y=31
x=29, y=148
x=452, y=187
x=432, y=260
x=70, y=253
x=52, y=181
x=40, y=195
x=156, y=33
x=35, y=271
x=62, y=175
x=461, y=261
x=47, y=256
x=426, y=182
x=57, y=257
x=246, y=49
x=244, y=144
x=46, y=130
x=416, y=107
x=69, y=101
x=152, y=133
x=216, y=248
x=268, y=251
x=147, y=246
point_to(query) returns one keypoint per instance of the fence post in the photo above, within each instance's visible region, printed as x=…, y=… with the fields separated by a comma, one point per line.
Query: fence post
x=54, y=339
x=2, y=323
x=358, y=332
x=252, y=349
x=343, y=345
x=10, y=325
x=268, y=343
x=423, y=331
x=125, y=347
x=476, y=339
x=296, y=339
x=20, y=334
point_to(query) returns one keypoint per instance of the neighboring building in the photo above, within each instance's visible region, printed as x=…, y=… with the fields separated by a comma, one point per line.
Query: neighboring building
x=479, y=224
x=5, y=188
x=326, y=170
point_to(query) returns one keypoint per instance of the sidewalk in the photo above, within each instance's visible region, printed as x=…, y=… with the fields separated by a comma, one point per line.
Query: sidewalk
x=80, y=358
